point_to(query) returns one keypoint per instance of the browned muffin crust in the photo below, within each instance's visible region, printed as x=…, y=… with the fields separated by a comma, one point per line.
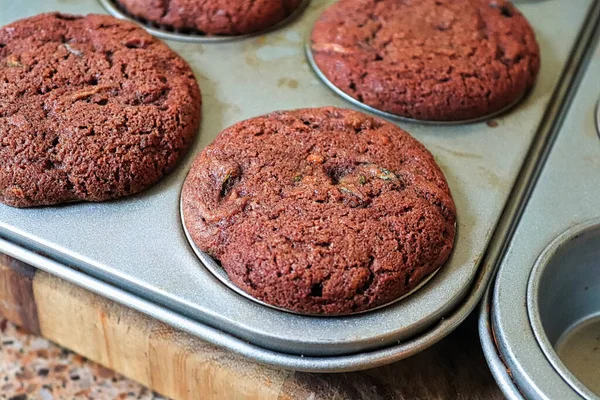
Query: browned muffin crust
x=91, y=108
x=212, y=17
x=321, y=210
x=442, y=60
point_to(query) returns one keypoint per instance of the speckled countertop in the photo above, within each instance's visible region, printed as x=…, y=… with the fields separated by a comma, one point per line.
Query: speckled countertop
x=33, y=368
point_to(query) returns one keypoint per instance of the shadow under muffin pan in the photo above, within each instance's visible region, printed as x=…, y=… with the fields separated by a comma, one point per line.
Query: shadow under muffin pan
x=135, y=251
x=395, y=117
x=169, y=33
x=544, y=308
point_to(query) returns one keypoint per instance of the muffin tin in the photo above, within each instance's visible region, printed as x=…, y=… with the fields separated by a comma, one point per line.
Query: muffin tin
x=540, y=323
x=134, y=250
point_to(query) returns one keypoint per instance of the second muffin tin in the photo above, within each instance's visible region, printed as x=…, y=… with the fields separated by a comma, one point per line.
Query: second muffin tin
x=135, y=251
x=540, y=324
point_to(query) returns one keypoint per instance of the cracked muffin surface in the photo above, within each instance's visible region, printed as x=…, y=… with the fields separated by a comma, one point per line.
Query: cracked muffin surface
x=440, y=60
x=91, y=108
x=212, y=17
x=323, y=211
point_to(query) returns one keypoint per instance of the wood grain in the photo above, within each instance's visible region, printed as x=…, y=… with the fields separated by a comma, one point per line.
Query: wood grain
x=183, y=367
x=16, y=293
x=173, y=363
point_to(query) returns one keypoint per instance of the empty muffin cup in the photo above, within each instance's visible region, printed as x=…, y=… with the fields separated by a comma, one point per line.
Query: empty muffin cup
x=563, y=301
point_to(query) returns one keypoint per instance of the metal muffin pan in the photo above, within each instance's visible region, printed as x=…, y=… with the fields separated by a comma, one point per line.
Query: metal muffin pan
x=536, y=323
x=134, y=250
x=167, y=33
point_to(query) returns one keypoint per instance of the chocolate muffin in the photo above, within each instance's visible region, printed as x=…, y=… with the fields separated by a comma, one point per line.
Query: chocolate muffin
x=91, y=108
x=324, y=211
x=438, y=60
x=212, y=17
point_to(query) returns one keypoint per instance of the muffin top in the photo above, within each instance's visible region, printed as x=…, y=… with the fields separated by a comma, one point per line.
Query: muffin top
x=439, y=60
x=324, y=210
x=91, y=108
x=212, y=17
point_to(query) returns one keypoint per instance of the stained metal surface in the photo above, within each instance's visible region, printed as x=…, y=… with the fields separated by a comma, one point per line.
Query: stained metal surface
x=169, y=34
x=577, y=350
x=136, y=248
x=566, y=195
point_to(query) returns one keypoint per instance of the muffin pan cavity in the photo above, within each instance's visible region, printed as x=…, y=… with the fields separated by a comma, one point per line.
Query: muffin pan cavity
x=574, y=347
x=564, y=306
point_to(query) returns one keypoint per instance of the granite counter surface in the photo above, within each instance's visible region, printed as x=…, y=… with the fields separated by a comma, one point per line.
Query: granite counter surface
x=32, y=368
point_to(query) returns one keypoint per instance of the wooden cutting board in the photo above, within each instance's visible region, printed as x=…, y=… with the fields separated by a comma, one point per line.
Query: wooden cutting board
x=183, y=367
